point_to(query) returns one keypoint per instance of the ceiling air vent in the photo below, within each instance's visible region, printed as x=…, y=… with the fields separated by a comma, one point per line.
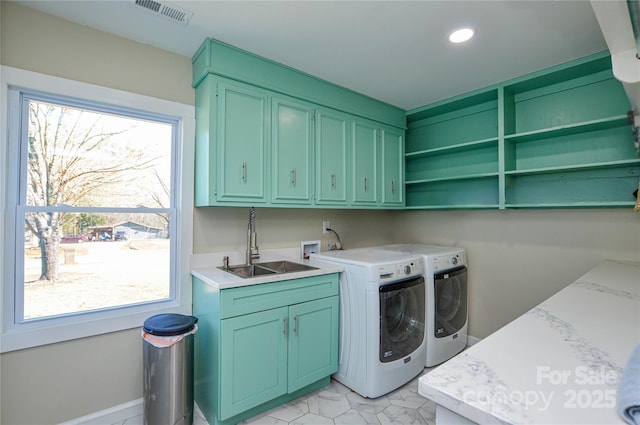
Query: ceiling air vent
x=168, y=10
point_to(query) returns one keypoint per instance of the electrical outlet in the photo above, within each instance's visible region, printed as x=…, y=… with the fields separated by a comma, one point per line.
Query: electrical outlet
x=325, y=227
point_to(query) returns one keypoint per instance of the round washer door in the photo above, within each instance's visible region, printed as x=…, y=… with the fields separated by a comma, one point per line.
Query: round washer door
x=451, y=301
x=402, y=314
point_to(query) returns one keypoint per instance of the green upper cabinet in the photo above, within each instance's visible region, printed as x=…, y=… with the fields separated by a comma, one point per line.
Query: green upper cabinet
x=332, y=148
x=377, y=165
x=270, y=135
x=205, y=166
x=364, y=136
x=558, y=138
x=242, y=134
x=392, y=160
x=291, y=150
x=567, y=141
x=452, y=158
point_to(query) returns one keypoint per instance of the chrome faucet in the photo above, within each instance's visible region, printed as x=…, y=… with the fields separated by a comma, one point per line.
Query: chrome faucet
x=252, y=238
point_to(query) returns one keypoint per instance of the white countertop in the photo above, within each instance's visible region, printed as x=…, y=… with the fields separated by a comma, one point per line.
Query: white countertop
x=223, y=280
x=560, y=363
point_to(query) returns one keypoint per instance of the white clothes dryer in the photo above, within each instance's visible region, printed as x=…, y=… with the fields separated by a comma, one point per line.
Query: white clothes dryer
x=382, y=317
x=446, y=289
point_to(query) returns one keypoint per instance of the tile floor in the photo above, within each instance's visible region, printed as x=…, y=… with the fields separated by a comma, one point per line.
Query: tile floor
x=338, y=405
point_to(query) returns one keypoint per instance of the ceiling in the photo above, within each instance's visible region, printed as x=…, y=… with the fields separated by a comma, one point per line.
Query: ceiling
x=394, y=51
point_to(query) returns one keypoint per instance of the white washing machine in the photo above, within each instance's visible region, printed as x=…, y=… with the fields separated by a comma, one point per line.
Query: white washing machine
x=382, y=318
x=446, y=288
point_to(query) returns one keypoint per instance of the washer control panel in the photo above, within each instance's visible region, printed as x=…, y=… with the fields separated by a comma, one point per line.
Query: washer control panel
x=448, y=261
x=401, y=269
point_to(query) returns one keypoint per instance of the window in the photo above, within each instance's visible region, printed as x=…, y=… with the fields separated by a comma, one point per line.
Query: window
x=98, y=229
x=86, y=176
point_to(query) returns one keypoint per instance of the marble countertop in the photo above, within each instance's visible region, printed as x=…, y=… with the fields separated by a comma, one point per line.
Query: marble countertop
x=559, y=363
x=223, y=280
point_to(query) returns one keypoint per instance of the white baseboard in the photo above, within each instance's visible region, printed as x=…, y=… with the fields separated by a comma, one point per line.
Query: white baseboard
x=124, y=411
x=472, y=340
x=112, y=415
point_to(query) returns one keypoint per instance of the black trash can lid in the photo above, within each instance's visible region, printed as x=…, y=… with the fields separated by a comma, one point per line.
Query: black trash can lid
x=169, y=324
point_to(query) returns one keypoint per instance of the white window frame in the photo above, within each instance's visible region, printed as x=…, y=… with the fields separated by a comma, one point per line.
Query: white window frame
x=16, y=335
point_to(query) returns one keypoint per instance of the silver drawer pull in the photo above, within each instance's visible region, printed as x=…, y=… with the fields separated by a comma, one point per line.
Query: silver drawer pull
x=244, y=171
x=293, y=177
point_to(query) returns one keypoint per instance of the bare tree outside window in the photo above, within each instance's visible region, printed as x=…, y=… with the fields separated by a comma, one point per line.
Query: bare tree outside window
x=94, y=179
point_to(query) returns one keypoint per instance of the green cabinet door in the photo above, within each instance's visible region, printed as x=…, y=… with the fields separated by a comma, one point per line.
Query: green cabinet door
x=332, y=146
x=364, y=162
x=291, y=149
x=242, y=135
x=392, y=160
x=254, y=359
x=259, y=346
x=313, y=341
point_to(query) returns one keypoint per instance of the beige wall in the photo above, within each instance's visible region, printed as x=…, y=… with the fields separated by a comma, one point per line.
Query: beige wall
x=38, y=42
x=517, y=258
x=58, y=382
x=286, y=228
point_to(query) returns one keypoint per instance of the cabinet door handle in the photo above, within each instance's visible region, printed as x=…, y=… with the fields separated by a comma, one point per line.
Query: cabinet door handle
x=293, y=177
x=366, y=184
x=244, y=171
x=393, y=186
x=285, y=329
x=333, y=181
x=295, y=324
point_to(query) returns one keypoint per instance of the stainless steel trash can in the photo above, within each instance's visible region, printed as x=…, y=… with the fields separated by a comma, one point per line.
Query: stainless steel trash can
x=168, y=369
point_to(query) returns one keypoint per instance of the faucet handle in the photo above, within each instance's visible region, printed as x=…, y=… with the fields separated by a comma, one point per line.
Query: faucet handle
x=255, y=251
x=225, y=262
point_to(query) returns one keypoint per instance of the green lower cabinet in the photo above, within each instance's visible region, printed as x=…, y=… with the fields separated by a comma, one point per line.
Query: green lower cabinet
x=263, y=345
x=313, y=346
x=254, y=355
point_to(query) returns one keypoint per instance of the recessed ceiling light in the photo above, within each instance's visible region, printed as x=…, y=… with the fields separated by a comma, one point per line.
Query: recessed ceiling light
x=461, y=35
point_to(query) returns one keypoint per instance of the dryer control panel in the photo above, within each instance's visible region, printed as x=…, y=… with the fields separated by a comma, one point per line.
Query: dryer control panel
x=400, y=270
x=448, y=261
